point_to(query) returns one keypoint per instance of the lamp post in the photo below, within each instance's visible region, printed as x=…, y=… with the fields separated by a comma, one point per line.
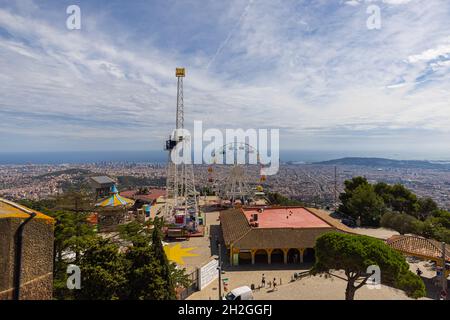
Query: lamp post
x=219, y=268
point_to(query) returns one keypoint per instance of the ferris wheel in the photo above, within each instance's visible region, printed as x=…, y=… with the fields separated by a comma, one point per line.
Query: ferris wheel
x=240, y=179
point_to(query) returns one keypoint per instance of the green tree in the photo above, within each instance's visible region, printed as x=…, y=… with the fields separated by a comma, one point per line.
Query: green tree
x=102, y=272
x=403, y=200
x=401, y=222
x=350, y=187
x=427, y=207
x=43, y=205
x=139, y=271
x=276, y=198
x=366, y=204
x=144, y=275
x=355, y=253
x=144, y=281
x=441, y=217
x=137, y=233
x=73, y=235
x=385, y=192
x=72, y=230
x=75, y=201
x=437, y=227
x=168, y=293
x=150, y=275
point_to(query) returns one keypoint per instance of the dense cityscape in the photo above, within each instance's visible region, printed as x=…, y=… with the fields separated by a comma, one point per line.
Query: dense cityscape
x=311, y=183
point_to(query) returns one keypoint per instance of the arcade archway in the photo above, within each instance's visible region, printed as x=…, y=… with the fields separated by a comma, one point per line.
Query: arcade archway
x=293, y=256
x=277, y=256
x=309, y=256
x=261, y=256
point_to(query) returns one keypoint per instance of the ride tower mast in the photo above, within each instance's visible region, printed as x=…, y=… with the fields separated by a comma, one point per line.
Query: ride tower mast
x=180, y=185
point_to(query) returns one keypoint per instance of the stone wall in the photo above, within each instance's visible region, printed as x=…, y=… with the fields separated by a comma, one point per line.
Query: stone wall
x=37, y=258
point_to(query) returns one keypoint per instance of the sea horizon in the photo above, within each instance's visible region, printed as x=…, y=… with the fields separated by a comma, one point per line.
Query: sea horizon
x=158, y=156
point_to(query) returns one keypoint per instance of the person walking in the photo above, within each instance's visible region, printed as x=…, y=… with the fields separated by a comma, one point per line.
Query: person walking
x=274, y=284
x=263, y=281
x=419, y=272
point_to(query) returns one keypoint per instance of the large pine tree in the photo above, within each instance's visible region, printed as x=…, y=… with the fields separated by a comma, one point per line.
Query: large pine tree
x=160, y=256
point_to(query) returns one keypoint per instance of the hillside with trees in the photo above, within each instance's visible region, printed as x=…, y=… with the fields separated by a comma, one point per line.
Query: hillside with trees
x=394, y=207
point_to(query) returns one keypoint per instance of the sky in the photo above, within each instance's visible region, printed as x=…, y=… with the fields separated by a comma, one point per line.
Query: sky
x=313, y=69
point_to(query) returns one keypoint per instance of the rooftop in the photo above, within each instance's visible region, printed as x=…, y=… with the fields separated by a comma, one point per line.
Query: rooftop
x=103, y=179
x=299, y=230
x=9, y=209
x=152, y=195
x=418, y=246
x=288, y=217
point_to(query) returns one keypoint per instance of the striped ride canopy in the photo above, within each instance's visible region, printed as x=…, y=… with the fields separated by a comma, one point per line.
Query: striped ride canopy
x=115, y=200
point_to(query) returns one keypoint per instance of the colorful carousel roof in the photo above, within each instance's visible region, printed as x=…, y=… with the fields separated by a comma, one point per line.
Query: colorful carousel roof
x=115, y=200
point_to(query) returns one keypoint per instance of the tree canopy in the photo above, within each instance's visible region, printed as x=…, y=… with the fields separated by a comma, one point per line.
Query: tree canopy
x=276, y=198
x=354, y=254
x=134, y=268
x=395, y=207
x=366, y=205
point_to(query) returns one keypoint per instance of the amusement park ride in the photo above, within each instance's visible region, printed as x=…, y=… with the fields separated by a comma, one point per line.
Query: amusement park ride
x=181, y=210
x=181, y=207
x=238, y=184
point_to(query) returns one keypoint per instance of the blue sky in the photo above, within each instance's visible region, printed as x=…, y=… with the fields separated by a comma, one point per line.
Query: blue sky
x=311, y=68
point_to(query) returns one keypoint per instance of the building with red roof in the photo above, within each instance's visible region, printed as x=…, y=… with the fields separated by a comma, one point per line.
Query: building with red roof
x=149, y=197
x=275, y=234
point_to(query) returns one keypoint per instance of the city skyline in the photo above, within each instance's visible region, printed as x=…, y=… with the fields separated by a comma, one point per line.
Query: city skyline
x=312, y=69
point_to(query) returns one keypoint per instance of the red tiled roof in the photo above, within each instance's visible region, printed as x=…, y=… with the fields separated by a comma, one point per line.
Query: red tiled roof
x=418, y=246
x=238, y=231
x=330, y=220
x=286, y=217
x=151, y=196
x=234, y=225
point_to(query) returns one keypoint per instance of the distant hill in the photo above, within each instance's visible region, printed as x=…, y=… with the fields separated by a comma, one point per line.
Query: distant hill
x=386, y=163
x=73, y=171
x=126, y=182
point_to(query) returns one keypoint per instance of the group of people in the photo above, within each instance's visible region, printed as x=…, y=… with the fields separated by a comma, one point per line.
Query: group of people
x=270, y=283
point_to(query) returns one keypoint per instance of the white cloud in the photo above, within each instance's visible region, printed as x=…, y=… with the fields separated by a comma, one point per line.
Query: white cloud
x=308, y=70
x=430, y=54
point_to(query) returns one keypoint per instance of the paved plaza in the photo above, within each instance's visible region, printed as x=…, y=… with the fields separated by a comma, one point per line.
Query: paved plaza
x=308, y=288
